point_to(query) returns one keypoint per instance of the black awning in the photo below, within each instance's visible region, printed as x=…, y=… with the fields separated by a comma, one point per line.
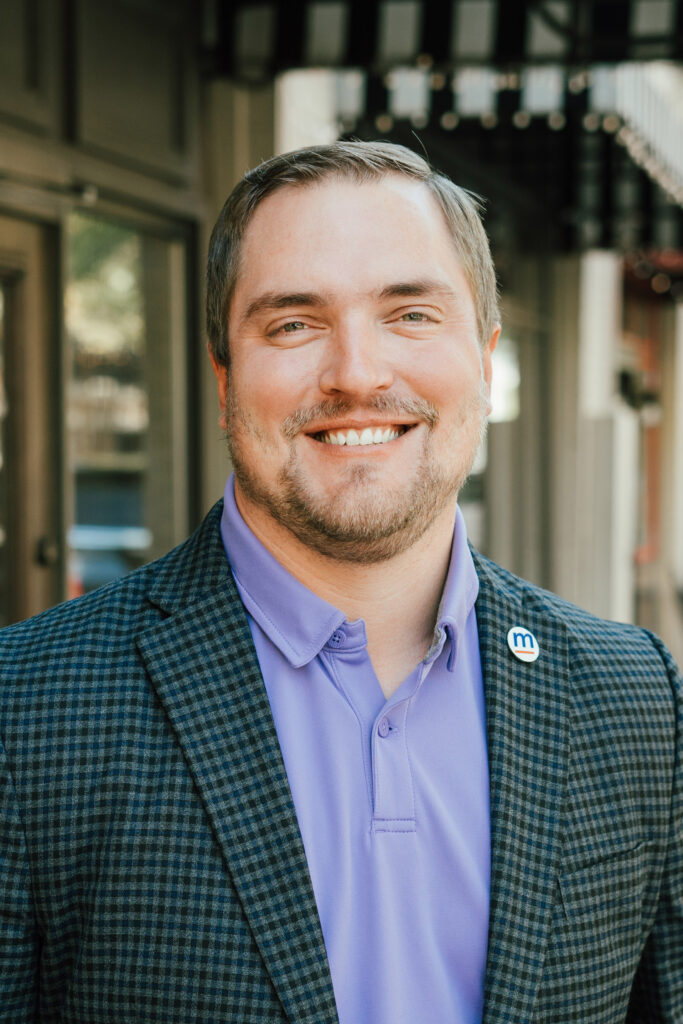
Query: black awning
x=254, y=40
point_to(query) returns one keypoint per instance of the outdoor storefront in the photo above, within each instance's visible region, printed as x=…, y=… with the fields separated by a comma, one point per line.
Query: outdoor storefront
x=123, y=128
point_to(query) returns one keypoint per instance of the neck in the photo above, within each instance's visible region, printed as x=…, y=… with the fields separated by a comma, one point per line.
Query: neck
x=398, y=598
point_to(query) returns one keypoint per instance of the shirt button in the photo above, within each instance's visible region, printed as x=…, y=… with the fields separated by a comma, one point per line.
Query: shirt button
x=384, y=728
x=337, y=638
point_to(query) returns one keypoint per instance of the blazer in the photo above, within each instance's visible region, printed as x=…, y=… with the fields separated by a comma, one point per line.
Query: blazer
x=151, y=866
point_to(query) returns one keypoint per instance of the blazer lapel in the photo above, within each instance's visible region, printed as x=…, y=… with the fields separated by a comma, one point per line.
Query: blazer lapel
x=202, y=664
x=527, y=707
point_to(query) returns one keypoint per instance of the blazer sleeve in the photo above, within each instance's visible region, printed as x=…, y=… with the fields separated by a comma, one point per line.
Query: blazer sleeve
x=18, y=933
x=657, y=994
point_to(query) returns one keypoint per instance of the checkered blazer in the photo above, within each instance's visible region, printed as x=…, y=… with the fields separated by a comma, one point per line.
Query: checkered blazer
x=151, y=867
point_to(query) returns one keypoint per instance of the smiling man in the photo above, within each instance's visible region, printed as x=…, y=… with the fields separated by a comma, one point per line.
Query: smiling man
x=324, y=763
x=359, y=382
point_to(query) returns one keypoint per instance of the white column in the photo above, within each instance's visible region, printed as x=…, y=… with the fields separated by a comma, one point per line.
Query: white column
x=600, y=319
x=606, y=504
x=595, y=441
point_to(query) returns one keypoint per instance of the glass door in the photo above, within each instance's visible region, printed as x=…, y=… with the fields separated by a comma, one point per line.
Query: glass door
x=125, y=396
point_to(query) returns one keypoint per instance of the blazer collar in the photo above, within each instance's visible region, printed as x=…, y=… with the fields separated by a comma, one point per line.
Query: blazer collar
x=527, y=711
x=203, y=667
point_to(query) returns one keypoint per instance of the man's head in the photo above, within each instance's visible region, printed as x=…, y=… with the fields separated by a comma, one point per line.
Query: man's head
x=356, y=390
x=359, y=162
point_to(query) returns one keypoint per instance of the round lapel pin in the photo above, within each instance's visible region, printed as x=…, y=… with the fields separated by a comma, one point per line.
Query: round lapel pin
x=523, y=644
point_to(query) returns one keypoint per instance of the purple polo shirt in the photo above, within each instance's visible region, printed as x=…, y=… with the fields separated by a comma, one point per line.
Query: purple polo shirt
x=392, y=796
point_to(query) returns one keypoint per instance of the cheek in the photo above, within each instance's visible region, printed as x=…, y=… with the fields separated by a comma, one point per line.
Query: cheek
x=257, y=406
x=249, y=423
x=459, y=393
x=276, y=380
x=448, y=381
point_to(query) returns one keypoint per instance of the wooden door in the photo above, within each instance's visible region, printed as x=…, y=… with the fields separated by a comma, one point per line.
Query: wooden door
x=30, y=529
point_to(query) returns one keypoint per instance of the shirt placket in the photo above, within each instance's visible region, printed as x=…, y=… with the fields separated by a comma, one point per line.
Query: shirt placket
x=393, y=783
x=386, y=756
x=393, y=789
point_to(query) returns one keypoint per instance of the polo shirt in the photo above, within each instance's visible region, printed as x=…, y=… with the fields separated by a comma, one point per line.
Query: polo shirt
x=391, y=795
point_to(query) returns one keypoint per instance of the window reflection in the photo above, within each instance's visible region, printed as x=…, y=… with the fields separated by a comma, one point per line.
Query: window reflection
x=107, y=402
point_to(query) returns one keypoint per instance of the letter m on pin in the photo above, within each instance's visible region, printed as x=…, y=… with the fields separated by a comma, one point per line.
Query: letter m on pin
x=523, y=643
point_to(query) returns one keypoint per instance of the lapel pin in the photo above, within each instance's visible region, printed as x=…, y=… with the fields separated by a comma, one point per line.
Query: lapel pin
x=523, y=644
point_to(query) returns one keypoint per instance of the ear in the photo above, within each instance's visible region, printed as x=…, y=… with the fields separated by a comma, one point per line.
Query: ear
x=221, y=373
x=486, y=361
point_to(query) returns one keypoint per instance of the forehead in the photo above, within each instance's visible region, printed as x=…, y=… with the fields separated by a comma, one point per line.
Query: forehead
x=345, y=233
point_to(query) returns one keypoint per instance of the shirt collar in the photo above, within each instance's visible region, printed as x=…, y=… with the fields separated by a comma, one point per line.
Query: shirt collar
x=459, y=594
x=299, y=622
x=295, y=619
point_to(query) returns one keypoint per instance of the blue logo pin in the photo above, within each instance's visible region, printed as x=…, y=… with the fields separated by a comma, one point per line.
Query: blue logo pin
x=523, y=644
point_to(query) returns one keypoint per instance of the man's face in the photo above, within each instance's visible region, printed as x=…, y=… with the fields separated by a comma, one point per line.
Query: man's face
x=357, y=391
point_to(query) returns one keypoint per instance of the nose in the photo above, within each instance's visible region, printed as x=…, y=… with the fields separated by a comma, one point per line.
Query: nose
x=356, y=362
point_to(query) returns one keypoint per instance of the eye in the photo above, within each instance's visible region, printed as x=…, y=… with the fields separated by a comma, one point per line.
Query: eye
x=414, y=316
x=289, y=327
x=415, y=321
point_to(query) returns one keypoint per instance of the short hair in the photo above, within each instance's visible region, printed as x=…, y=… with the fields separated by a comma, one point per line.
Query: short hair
x=358, y=161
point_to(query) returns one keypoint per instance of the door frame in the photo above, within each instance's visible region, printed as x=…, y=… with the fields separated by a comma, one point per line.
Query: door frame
x=28, y=269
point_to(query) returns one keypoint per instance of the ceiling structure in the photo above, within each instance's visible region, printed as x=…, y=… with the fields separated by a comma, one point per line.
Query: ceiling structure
x=560, y=111
x=257, y=39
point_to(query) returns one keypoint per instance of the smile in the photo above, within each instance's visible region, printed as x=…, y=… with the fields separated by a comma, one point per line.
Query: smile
x=369, y=435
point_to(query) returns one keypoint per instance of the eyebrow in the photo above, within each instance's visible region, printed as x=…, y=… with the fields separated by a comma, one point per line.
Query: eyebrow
x=421, y=287
x=276, y=300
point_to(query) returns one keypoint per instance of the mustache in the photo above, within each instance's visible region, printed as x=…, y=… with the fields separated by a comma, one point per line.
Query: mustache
x=417, y=407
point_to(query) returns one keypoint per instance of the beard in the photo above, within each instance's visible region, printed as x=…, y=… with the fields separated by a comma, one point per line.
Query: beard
x=365, y=521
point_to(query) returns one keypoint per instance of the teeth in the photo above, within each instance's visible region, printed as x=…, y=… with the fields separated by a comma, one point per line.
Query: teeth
x=367, y=436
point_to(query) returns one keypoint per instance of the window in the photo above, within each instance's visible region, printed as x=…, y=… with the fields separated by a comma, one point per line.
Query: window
x=125, y=426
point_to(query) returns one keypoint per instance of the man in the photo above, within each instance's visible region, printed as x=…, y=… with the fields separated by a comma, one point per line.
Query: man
x=321, y=762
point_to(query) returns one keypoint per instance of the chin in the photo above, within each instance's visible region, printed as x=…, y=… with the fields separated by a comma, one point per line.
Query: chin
x=368, y=522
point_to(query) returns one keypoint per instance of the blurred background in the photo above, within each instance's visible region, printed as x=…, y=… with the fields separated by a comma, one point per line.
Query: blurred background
x=123, y=126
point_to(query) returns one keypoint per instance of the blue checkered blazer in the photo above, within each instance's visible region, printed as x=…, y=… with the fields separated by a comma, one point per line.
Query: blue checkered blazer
x=151, y=867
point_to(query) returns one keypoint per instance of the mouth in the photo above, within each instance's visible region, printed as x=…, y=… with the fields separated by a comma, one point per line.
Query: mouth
x=351, y=437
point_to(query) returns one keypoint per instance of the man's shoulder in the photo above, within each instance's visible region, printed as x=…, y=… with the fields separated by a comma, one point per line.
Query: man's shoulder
x=111, y=615
x=599, y=647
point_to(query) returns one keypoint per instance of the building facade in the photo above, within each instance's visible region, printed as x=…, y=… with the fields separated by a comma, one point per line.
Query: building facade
x=124, y=126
